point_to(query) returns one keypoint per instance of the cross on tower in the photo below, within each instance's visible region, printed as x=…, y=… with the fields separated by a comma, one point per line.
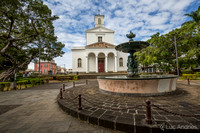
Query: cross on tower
x=98, y=12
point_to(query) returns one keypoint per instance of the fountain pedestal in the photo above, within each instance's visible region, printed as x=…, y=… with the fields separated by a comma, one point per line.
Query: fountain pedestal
x=132, y=66
x=132, y=83
x=143, y=85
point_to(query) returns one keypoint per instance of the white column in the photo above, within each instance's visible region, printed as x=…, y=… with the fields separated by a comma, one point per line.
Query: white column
x=96, y=64
x=86, y=64
x=106, y=64
x=115, y=63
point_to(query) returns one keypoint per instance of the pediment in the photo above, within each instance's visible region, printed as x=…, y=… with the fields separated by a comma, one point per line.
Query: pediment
x=100, y=45
x=99, y=29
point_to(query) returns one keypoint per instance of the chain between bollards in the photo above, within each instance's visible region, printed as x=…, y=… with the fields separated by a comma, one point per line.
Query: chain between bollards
x=148, y=112
x=61, y=93
x=79, y=102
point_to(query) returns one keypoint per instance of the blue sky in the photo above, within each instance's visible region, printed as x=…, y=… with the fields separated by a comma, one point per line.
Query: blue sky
x=142, y=17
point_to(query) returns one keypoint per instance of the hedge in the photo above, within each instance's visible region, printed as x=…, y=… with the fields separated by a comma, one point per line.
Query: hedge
x=186, y=71
x=74, y=77
x=36, y=81
x=46, y=80
x=198, y=74
x=189, y=76
x=4, y=86
x=71, y=77
x=24, y=82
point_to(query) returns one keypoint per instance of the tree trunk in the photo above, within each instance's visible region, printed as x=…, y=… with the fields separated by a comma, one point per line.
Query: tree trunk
x=6, y=74
x=11, y=71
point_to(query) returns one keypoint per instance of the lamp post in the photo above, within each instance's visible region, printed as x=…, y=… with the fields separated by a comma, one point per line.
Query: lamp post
x=176, y=55
x=39, y=56
x=64, y=69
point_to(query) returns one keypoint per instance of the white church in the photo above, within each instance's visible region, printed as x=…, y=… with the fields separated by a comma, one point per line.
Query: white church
x=99, y=54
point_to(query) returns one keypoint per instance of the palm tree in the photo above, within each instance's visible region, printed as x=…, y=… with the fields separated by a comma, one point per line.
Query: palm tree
x=195, y=15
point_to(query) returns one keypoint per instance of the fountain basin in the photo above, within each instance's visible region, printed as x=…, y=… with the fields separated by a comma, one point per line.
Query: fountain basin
x=143, y=85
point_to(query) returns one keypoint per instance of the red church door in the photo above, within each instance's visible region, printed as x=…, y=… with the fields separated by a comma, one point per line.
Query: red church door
x=101, y=65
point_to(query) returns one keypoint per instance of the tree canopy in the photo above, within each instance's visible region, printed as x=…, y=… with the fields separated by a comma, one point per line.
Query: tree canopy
x=26, y=25
x=162, y=52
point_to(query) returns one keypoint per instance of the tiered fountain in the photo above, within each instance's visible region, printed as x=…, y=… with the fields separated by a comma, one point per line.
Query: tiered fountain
x=132, y=83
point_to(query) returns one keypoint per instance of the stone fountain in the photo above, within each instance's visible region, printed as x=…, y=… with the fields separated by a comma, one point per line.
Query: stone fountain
x=131, y=47
x=132, y=83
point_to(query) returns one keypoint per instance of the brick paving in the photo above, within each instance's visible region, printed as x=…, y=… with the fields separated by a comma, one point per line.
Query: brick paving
x=118, y=112
x=35, y=110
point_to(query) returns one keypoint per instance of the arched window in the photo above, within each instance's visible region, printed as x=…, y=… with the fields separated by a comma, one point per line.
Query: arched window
x=99, y=21
x=79, y=62
x=121, y=62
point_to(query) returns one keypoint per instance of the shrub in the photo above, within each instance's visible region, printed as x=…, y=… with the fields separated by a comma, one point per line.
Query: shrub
x=50, y=78
x=46, y=80
x=58, y=77
x=41, y=81
x=34, y=82
x=23, y=82
x=194, y=76
x=4, y=86
x=27, y=79
x=198, y=74
x=75, y=77
x=189, y=76
x=186, y=71
x=63, y=77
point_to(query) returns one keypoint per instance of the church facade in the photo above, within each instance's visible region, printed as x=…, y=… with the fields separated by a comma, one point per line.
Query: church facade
x=99, y=54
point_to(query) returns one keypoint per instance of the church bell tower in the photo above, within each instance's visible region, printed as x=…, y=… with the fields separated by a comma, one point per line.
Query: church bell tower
x=99, y=20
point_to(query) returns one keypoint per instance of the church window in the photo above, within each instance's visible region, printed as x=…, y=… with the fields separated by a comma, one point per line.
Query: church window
x=99, y=21
x=79, y=62
x=99, y=39
x=121, y=62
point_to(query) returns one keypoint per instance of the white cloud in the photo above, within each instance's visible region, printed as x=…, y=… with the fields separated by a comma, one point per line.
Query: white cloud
x=31, y=66
x=143, y=17
x=65, y=59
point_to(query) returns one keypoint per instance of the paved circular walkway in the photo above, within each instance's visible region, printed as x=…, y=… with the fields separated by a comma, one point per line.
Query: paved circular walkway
x=119, y=112
x=35, y=110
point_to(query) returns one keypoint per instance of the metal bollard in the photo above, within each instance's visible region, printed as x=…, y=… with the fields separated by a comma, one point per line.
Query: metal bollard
x=86, y=82
x=148, y=112
x=188, y=81
x=79, y=102
x=73, y=84
x=61, y=93
x=63, y=87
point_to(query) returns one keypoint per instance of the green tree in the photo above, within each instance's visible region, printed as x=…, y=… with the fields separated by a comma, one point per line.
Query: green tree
x=25, y=25
x=162, y=50
x=195, y=16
